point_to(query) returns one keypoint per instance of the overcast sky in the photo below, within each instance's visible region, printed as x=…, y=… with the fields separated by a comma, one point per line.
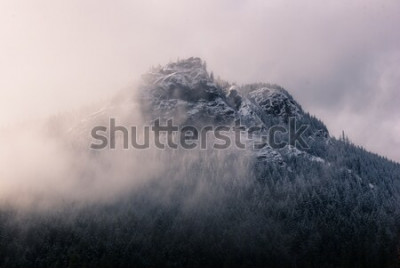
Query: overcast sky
x=340, y=59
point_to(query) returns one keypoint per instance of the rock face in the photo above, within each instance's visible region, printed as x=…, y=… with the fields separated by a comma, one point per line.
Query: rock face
x=187, y=93
x=276, y=102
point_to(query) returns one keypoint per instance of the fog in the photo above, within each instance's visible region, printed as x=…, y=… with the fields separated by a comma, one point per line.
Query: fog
x=49, y=165
x=339, y=60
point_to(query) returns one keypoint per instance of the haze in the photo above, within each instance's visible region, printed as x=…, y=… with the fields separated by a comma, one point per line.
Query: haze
x=340, y=60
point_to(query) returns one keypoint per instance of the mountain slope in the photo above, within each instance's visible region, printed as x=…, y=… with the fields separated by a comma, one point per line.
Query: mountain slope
x=332, y=204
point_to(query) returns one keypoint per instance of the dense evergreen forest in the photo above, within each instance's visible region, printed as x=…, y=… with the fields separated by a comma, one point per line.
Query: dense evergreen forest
x=344, y=214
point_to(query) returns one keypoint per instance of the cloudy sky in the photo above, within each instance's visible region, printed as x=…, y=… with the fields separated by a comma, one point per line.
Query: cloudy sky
x=340, y=59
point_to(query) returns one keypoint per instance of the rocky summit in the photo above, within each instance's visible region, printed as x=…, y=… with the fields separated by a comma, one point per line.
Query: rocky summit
x=187, y=93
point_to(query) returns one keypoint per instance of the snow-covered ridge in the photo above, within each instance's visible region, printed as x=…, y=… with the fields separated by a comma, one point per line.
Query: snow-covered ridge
x=186, y=92
x=276, y=102
x=186, y=80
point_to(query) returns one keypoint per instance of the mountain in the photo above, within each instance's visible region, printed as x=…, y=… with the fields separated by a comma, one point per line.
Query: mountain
x=324, y=203
x=185, y=92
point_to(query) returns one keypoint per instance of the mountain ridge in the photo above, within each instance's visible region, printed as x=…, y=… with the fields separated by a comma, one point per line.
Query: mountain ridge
x=185, y=91
x=332, y=204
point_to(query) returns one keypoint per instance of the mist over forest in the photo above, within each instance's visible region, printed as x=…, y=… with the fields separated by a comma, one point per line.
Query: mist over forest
x=63, y=204
x=283, y=148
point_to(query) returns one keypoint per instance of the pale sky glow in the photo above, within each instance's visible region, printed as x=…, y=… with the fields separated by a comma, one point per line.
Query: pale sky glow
x=340, y=60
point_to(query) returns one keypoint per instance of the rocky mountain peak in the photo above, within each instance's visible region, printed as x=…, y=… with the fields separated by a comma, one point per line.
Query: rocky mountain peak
x=187, y=93
x=276, y=102
x=185, y=80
